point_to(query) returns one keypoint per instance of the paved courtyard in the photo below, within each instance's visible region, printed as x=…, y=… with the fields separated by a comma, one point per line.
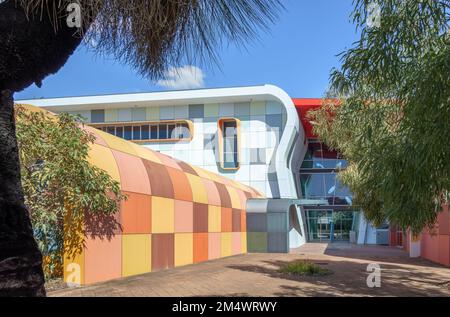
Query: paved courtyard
x=257, y=275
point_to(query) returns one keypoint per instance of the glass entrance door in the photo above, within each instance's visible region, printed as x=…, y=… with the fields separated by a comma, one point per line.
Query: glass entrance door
x=329, y=225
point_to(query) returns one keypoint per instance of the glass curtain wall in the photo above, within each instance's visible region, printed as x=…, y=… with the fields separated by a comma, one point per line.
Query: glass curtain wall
x=318, y=180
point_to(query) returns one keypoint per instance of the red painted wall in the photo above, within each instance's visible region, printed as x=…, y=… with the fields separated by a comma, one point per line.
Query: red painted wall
x=303, y=105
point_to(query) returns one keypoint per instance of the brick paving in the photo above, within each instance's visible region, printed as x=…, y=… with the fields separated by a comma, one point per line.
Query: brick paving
x=257, y=275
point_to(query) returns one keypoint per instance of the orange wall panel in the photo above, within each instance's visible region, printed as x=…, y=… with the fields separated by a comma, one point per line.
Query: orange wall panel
x=200, y=247
x=136, y=213
x=227, y=220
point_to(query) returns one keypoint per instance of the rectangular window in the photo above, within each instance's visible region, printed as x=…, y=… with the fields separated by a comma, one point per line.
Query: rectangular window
x=127, y=133
x=148, y=131
x=136, y=132
x=154, y=132
x=229, y=143
x=145, y=132
x=119, y=132
x=162, y=132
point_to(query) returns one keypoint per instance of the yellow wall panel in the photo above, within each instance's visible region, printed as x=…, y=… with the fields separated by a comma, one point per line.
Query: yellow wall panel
x=145, y=153
x=226, y=249
x=214, y=218
x=162, y=215
x=199, y=194
x=118, y=144
x=234, y=196
x=103, y=158
x=184, y=246
x=201, y=172
x=74, y=269
x=136, y=254
x=244, y=242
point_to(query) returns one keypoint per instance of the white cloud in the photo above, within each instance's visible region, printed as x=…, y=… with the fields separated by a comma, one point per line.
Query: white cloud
x=185, y=77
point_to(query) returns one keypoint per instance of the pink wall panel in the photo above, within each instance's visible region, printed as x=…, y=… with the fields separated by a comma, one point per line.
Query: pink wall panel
x=430, y=247
x=131, y=169
x=236, y=243
x=167, y=161
x=103, y=259
x=214, y=245
x=184, y=216
x=213, y=193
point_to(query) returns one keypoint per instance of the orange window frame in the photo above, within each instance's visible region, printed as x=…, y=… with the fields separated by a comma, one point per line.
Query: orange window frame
x=220, y=123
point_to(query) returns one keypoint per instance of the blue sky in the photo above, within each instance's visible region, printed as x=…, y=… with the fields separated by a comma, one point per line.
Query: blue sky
x=297, y=55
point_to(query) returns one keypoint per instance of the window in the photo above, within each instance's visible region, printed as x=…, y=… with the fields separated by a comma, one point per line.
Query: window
x=97, y=116
x=162, y=132
x=127, y=133
x=319, y=156
x=145, y=132
x=150, y=132
x=119, y=132
x=136, y=132
x=111, y=130
x=229, y=143
x=325, y=186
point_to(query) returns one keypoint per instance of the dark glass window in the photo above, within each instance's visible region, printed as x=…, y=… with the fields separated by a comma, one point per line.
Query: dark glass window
x=325, y=186
x=163, y=131
x=145, y=132
x=136, y=133
x=230, y=148
x=111, y=130
x=154, y=132
x=119, y=132
x=127, y=133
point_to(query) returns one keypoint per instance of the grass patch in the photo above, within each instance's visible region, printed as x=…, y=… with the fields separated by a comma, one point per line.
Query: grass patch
x=304, y=268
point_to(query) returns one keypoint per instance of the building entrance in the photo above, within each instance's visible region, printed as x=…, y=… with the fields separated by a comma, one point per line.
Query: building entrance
x=330, y=225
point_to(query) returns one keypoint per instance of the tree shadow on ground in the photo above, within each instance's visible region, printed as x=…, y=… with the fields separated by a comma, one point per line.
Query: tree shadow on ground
x=349, y=279
x=376, y=253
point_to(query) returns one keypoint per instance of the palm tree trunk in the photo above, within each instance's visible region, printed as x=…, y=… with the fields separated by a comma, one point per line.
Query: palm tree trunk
x=20, y=260
x=30, y=51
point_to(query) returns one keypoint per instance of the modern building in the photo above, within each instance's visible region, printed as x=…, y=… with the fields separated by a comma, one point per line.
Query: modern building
x=256, y=136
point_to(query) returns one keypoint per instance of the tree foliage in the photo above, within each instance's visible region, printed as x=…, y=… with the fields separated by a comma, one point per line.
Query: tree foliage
x=63, y=191
x=388, y=112
x=153, y=34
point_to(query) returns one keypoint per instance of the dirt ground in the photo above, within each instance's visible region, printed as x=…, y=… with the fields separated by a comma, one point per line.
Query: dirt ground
x=258, y=275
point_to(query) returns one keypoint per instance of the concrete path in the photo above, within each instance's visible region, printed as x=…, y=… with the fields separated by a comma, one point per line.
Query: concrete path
x=257, y=275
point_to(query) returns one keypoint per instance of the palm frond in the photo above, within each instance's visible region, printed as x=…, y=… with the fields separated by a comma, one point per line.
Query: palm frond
x=150, y=35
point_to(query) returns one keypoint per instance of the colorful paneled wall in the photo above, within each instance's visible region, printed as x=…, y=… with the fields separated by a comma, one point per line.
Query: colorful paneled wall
x=262, y=124
x=269, y=223
x=176, y=214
